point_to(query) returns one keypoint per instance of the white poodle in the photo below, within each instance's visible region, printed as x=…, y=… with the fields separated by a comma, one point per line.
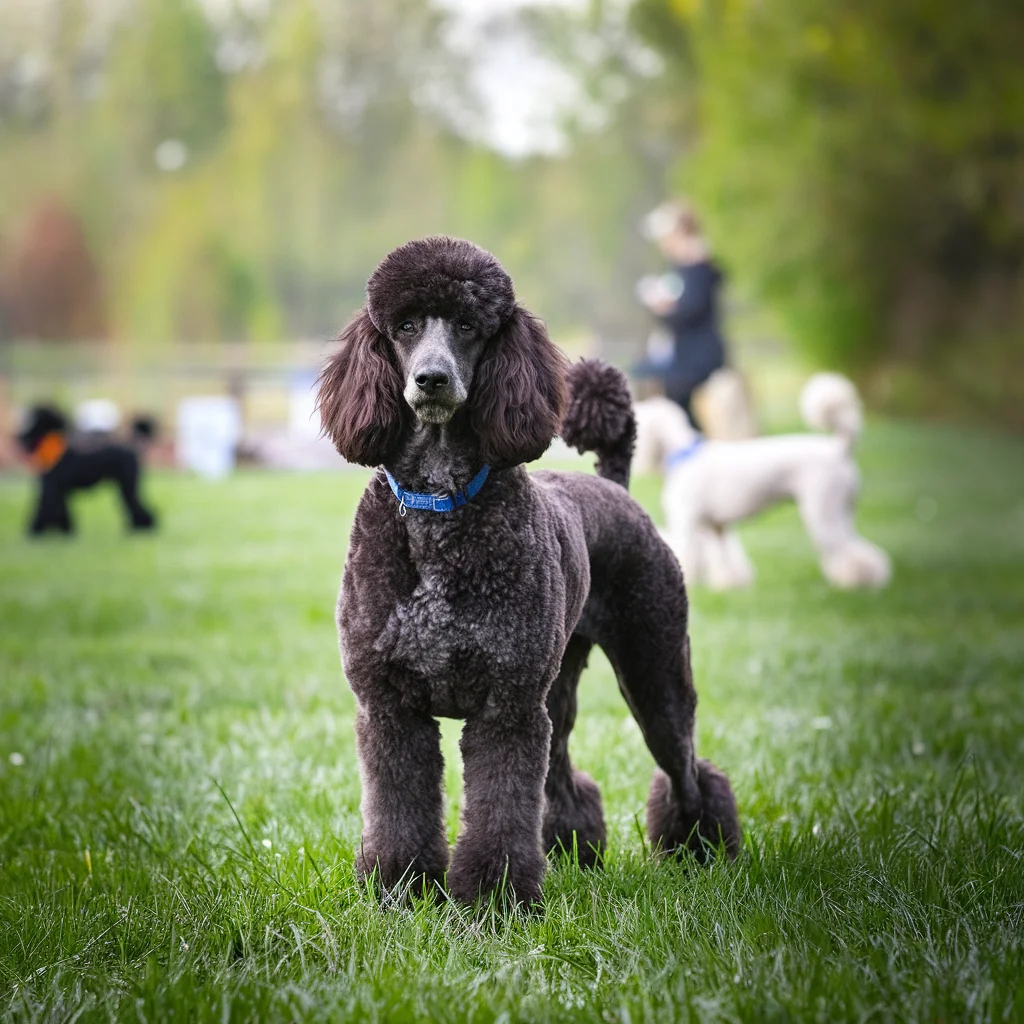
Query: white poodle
x=710, y=485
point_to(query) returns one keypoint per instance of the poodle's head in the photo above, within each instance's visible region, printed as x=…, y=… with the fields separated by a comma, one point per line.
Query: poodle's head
x=441, y=335
x=39, y=421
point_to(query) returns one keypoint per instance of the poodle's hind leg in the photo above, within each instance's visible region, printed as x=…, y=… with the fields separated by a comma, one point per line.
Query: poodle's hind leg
x=691, y=804
x=847, y=559
x=573, y=815
x=859, y=563
x=139, y=517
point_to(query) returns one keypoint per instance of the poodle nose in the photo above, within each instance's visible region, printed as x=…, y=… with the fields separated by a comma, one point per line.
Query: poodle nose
x=431, y=381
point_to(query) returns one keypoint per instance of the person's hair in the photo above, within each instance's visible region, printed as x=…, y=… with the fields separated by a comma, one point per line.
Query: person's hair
x=672, y=216
x=687, y=221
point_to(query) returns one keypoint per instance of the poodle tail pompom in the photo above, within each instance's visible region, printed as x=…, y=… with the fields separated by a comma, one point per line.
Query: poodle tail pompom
x=600, y=417
x=830, y=402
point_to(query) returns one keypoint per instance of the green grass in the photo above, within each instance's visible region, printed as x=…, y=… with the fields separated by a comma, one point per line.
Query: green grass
x=177, y=841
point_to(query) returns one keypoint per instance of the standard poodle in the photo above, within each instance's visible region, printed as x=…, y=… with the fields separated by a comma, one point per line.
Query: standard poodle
x=473, y=590
x=64, y=465
x=711, y=485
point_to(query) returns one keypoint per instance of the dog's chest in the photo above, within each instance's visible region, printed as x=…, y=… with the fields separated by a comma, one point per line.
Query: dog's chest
x=452, y=611
x=447, y=626
x=459, y=633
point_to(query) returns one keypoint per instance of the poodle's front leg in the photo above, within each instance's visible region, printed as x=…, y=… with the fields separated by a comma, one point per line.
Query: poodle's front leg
x=725, y=561
x=51, y=509
x=505, y=758
x=400, y=762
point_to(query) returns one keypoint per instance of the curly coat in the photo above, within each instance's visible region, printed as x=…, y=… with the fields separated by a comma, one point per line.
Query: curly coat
x=487, y=613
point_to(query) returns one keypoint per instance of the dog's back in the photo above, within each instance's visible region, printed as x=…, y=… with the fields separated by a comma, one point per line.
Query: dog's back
x=736, y=479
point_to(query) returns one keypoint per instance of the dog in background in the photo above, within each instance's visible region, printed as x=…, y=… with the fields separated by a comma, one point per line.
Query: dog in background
x=475, y=590
x=63, y=466
x=725, y=407
x=712, y=485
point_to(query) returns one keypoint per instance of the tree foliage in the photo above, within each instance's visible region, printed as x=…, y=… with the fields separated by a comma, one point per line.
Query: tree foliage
x=862, y=164
x=310, y=140
x=238, y=169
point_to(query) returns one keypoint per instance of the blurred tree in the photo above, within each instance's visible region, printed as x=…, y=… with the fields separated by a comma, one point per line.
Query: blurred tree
x=240, y=169
x=7, y=294
x=863, y=165
x=51, y=288
x=162, y=85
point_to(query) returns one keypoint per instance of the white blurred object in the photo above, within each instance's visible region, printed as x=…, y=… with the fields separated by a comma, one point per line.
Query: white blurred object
x=303, y=420
x=659, y=289
x=97, y=416
x=289, y=450
x=209, y=428
x=171, y=155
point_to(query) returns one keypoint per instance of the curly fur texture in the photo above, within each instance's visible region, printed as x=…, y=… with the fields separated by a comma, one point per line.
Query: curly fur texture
x=600, y=418
x=360, y=395
x=488, y=613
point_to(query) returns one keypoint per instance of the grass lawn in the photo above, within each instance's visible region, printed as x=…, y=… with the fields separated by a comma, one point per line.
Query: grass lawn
x=179, y=796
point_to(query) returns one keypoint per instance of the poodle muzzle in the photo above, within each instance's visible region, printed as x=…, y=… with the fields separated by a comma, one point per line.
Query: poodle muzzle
x=435, y=380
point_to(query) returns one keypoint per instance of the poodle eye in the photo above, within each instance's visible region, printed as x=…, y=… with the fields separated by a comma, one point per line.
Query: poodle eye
x=407, y=327
x=465, y=328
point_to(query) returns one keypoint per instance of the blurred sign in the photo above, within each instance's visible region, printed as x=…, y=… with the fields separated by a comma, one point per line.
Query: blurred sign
x=303, y=418
x=209, y=429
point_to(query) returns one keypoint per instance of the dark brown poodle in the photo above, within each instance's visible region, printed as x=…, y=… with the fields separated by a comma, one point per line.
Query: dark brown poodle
x=473, y=590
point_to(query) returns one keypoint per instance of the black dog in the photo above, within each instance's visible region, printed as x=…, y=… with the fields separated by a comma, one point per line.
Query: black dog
x=64, y=468
x=473, y=590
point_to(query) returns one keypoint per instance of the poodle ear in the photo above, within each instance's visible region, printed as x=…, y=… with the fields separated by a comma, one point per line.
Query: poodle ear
x=360, y=394
x=519, y=392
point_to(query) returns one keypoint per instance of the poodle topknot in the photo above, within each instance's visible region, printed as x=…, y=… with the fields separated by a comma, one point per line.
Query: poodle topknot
x=440, y=277
x=474, y=590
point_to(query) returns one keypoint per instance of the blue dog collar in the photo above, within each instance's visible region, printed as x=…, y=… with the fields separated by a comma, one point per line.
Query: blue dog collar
x=437, y=502
x=680, y=455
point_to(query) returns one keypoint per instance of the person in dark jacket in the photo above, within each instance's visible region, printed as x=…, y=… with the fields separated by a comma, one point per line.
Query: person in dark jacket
x=685, y=300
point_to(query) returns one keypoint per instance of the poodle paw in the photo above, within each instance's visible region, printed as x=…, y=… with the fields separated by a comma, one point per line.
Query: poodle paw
x=479, y=870
x=393, y=871
x=671, y=829
x=574, y=822
x=859, y=564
